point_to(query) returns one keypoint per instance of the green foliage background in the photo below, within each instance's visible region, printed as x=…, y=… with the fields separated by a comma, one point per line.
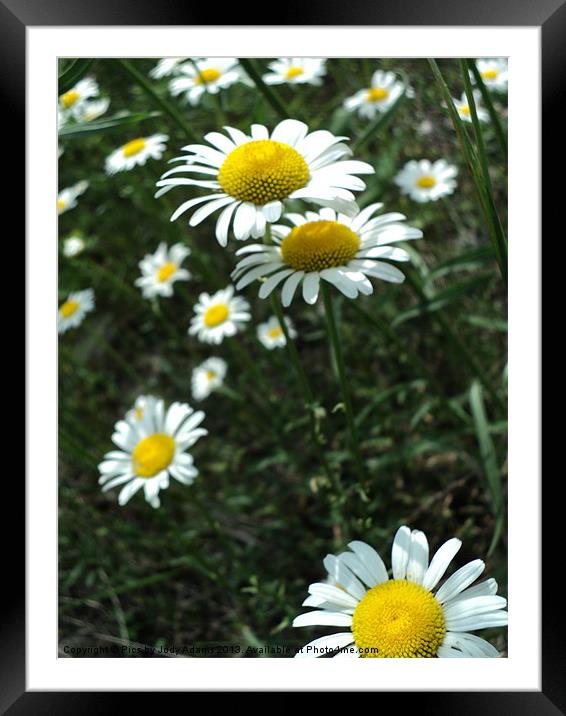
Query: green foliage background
x=426, y=363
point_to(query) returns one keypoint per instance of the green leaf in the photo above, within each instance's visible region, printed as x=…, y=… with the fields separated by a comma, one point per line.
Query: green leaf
x=106, y=124
x=74, y=73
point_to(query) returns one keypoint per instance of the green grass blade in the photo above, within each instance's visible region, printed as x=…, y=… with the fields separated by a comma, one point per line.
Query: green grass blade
x=499, y=131
x=270, y=95
x=105, y=125
x=488, y=457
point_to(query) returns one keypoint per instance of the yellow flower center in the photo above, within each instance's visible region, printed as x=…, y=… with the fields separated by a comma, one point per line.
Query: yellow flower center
x=294, y=72
x=489, y=74
x=262, y=171
x=377, y=94
x=69, y=98
x=215, y=315
x=398, y=619
x=209, y=75
x=319, y=245
x=134, y=147
x=210, y=374
x=69, y=307
x=465, y=109
x=61, y=204
x=153, y=454
x=166, y=271
x=426, y=182
x=275, y=332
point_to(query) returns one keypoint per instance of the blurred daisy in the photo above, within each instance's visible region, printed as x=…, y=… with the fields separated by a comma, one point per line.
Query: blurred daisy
x=142, y=405
x=208, y=377
x=136, y=152
x=210, y=74
x=251, y=176
x=67, y=198
x=427, y=181
x=70, y=103
x=152, y=449
x=94, y=109
x=336, y=248
x=73, y=246
x=296, y=71
x=270, y=333
x=219, y=315
x=407, y=616
x=494, y=73
x=166, y=66
x=384, y=91
x=463, y=108
x=74, y=309
x=161, y=269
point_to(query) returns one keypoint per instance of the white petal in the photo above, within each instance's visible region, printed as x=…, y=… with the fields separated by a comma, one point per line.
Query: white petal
x=272, y=211
x=323, y=618
x=461, y=579
x=440, y=562
x=400, y=552
x=311, y=286
x=334, y=641
x=418, y=557
x=267, y=287
x=290, y=287
x=335, y=595
x=371, y=560
x=244, y=220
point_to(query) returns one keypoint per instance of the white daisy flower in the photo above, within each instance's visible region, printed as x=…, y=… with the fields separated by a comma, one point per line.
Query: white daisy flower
x=270, y=334
x=136, y=152
x=70, y=103
x=219, y=315
x=407, y=616
x=161, y=269
x=296, y=71
x=494, y=73
x=251, y=176
x=74, y=309
x=210, y=74
x=324, y=245
x=152, y=449
x=208, y=377
x=166, y=66
x=67, y=198
x=463, y=108
x=88, y=111
x=427, y=181
x=73, y=246
x=384, y=91
x=143, y=403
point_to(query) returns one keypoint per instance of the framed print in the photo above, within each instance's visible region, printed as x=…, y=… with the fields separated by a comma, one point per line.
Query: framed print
x=282, y=365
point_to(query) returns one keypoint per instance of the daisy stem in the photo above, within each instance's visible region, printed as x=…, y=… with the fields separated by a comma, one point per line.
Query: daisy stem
x=169, y=109
x=220, y=118
x=339, y=358
x=379, y=122
x=272, y=98
x=306, y=391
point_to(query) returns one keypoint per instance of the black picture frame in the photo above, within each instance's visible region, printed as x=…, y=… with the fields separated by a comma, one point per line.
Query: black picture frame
x=550, y=16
